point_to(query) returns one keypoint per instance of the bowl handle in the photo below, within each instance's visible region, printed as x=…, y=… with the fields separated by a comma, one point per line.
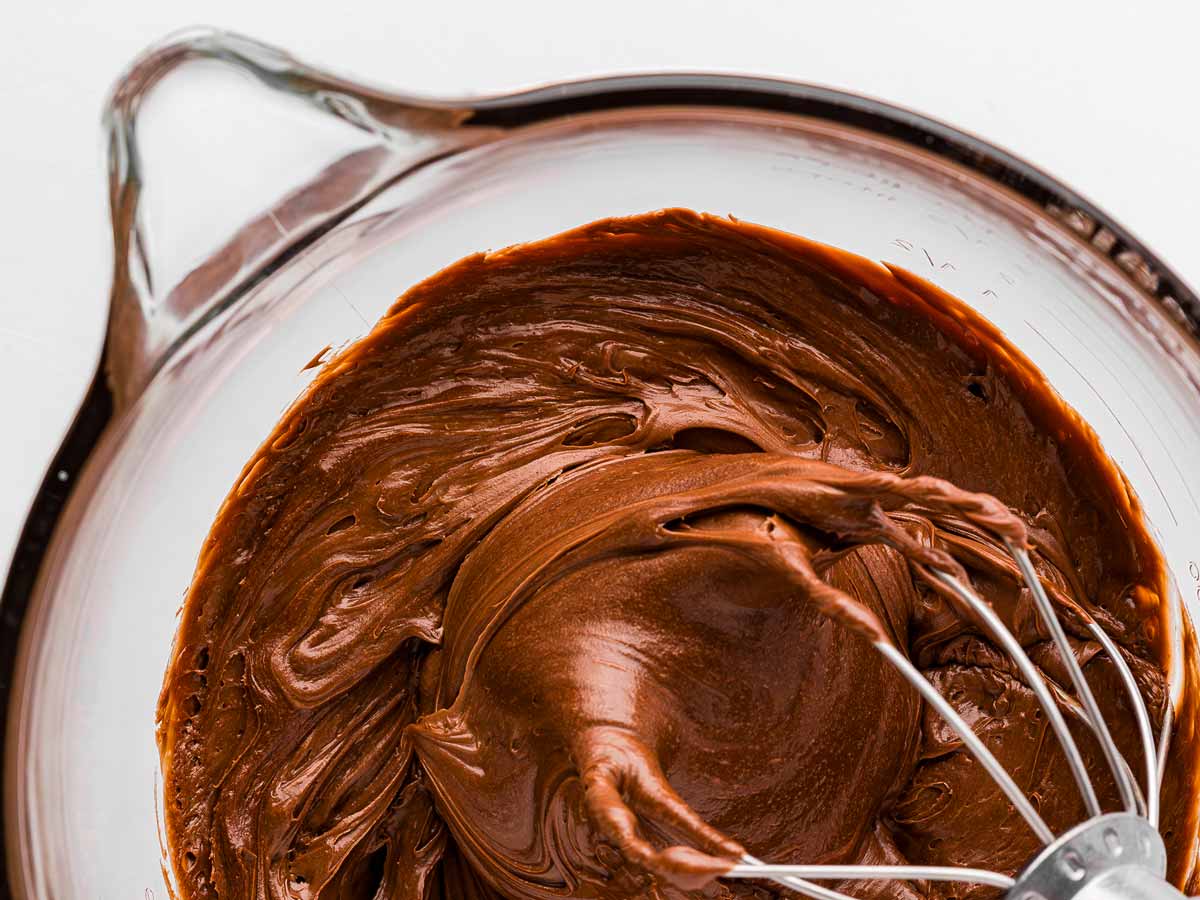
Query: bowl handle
x=147, y=320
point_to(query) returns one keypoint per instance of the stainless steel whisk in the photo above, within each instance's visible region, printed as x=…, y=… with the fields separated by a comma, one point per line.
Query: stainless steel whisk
x=1115, y=855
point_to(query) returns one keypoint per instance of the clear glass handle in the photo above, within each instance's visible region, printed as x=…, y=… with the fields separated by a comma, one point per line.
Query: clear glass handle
x=391, y=134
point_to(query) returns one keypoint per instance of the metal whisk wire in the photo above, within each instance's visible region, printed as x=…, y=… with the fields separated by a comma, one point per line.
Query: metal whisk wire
x=1001, y=635
x=1082, y=689
x=801, y=878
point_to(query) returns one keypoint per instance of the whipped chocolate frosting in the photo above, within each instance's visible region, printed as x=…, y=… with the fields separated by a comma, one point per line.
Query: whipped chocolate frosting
x=563, y=583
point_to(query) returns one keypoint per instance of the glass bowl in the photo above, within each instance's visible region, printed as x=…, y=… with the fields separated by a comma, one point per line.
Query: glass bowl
x=235, y=266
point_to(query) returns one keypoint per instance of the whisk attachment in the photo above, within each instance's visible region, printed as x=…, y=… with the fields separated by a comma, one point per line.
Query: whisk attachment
x=1115, y=856
x=1118, y=856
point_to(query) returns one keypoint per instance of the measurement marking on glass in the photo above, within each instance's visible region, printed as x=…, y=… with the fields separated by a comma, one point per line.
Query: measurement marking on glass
x=1140, y=407
x=313, y=271
x=1116, y=419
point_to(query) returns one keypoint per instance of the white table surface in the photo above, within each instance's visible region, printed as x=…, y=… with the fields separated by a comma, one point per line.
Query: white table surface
x=1105, y=96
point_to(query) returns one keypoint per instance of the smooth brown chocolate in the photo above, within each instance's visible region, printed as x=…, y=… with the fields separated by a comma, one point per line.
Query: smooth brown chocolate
x=562, y=583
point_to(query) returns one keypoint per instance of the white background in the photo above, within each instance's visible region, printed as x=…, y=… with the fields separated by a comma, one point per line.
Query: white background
x=1102, y=95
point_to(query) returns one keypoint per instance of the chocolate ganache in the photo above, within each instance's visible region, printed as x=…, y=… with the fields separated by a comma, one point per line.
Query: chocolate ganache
x=562, y=583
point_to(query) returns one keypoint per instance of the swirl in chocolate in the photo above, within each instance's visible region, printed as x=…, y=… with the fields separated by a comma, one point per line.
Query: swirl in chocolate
x=562, y=583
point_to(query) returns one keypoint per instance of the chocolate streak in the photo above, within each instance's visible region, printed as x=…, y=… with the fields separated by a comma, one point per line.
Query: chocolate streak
x=562, y=582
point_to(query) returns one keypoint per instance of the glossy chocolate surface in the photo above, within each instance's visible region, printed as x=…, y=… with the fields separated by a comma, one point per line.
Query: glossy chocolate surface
x=562, y=582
